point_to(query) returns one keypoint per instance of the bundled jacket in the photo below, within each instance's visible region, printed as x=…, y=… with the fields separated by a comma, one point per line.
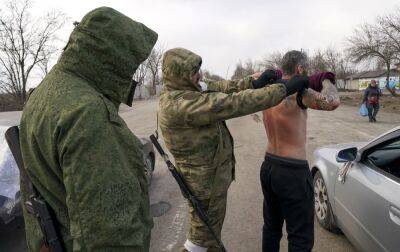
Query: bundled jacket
x=372, y=95
x=78, y=152
x=193, y=122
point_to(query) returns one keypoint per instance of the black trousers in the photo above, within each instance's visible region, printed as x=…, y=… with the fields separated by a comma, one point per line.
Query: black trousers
x=372, y=110
x=288, y=195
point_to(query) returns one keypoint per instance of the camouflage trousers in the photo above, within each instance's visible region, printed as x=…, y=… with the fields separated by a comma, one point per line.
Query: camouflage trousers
x=210, y=186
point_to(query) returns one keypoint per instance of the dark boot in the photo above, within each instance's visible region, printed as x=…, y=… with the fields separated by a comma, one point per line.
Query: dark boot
x=370, y=116
x=376, y=109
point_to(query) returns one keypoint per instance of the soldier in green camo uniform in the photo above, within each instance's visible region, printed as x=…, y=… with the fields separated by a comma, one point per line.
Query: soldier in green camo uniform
x=192, y=122
x=78, y=152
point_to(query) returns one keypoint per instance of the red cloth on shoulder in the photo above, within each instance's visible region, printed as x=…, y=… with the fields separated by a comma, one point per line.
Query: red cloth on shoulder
x=317, y=79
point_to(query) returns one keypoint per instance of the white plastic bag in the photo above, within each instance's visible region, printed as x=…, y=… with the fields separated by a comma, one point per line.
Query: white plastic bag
x=363, y=110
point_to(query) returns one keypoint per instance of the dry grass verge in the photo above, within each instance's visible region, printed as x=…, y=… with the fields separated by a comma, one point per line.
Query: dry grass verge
x=388, y=103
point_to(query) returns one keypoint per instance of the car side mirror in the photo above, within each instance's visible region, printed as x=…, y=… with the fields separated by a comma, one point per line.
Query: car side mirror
x=347, y=155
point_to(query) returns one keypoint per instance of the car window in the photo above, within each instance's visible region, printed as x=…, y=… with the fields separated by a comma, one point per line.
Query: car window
x=386, y=157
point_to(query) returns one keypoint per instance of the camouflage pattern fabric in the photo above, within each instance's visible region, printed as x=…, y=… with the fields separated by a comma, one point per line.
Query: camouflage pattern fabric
x=79, y=153
x=194, y=131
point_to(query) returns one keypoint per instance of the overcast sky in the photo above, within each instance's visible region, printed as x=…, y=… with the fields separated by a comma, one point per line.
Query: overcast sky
x=226, y=31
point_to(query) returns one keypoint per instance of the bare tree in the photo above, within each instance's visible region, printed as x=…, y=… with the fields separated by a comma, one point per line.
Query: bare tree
x=241, y=71
x=210, y=76
x=140, y=75
x=345, y=69
x=339, y=63
x=250, y=67
x=272, y=60
x=369, y=43
x=154, y=67
x=389, y=26
x=332, y=60
x=318, y=62
x=26, y=44
x=150, y=71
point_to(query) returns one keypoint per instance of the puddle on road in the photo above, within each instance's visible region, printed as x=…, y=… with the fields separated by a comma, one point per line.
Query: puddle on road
x=159, y=209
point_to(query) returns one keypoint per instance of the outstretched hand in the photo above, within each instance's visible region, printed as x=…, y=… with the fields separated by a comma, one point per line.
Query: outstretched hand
x=265, y=78
x=256, y=75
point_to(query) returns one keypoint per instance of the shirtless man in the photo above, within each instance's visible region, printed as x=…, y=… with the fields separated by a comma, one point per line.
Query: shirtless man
x=285, y=175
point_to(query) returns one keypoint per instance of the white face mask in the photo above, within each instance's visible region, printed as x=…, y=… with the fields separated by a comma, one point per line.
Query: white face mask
x=203, y=86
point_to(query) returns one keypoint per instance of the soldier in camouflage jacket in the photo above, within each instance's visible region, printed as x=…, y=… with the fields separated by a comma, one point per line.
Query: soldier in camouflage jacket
x=78, y=152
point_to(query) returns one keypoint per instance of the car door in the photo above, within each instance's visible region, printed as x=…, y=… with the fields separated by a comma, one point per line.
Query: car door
x=367, y=202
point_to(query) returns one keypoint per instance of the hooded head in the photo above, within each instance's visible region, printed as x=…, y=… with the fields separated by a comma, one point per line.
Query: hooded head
x=178, y=67
x=106, y=48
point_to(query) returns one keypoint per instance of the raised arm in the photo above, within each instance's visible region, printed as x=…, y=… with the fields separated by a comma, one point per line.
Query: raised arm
x=195, y=108
x=254, y=81
x=328, y=99
x=229, y=86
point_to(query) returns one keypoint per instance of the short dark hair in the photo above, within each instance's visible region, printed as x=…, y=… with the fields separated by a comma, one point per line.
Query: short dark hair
x=292, y=59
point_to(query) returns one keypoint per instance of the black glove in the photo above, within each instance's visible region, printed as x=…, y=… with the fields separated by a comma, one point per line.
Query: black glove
x=266, y=78
x=295, y=84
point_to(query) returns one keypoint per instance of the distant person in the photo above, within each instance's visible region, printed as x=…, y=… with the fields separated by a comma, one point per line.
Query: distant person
x=80, y=155
x=286, y=179
x=371, y=98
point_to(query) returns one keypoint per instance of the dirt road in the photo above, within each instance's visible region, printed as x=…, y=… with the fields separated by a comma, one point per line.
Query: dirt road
x=242, y=229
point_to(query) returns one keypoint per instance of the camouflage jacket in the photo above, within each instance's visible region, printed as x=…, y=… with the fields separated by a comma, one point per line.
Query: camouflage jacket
x=192, y=122
x=79, y=153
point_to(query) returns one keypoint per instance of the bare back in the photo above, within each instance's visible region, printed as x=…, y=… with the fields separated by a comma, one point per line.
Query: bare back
x=286, y=123
x=286, y=128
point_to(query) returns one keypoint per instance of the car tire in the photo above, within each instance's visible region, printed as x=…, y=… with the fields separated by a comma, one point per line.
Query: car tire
x=323, y=209
x=149, y=168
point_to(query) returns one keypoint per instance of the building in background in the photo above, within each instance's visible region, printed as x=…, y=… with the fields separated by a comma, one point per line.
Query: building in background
x=361, y=80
